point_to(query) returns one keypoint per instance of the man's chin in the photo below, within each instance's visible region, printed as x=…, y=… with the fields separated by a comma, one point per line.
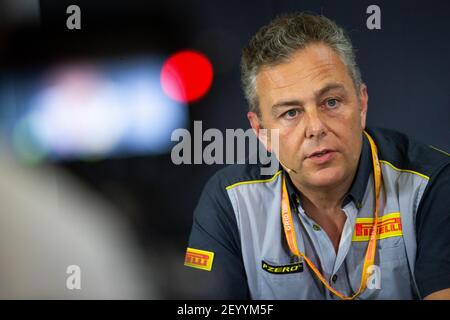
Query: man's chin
x=325, y=178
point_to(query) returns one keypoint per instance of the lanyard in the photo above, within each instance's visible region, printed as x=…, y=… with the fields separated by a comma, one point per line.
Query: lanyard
x=289, y=231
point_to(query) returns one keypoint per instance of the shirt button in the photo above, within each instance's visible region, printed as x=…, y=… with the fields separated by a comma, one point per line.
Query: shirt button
x=334, y=278
x=316, y=227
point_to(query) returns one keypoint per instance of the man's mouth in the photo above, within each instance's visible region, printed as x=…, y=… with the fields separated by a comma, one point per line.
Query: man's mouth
x=318, y=153
x=321, y=156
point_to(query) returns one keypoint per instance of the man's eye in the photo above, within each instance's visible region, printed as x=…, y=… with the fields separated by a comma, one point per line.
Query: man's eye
x=332, y=103
x=290, y=114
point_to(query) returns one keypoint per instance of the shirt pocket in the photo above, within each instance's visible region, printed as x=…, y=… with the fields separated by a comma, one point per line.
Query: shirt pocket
x=391, y=249
x=388, y=249
x=391, y=259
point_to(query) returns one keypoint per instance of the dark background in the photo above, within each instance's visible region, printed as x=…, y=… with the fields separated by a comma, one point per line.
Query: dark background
x=405, y=65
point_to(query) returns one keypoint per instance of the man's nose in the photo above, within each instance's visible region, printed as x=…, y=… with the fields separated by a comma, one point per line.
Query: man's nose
x=314, y=125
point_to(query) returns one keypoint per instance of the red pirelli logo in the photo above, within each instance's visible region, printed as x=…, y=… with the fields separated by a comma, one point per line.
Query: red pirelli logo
x=389, y=225
x=199, y=259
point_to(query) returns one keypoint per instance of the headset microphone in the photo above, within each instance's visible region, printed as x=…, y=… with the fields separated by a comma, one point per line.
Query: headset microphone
x=289, y=170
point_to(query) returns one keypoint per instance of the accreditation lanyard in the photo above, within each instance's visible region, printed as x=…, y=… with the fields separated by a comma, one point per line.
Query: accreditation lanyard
x=289, y=231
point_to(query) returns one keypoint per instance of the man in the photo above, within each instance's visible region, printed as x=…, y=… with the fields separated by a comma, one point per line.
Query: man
x=353, y=213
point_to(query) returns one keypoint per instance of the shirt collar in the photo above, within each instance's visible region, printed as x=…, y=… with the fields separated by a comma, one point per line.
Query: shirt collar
x=359, y=184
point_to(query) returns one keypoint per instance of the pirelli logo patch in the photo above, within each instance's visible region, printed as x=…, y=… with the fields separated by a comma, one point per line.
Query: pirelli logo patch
x=389, y=225
x=199, y=259
x=283, y=269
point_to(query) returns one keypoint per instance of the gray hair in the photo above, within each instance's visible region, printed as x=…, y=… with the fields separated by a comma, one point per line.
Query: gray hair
x=274, y=44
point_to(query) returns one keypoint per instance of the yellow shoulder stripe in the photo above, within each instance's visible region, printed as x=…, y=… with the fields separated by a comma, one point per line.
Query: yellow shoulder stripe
x=442, y=151
x=276, y=174
x=253, y=181
x=404, y=170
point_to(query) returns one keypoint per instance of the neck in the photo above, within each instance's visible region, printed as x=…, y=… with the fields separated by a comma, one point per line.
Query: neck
x=326, y=200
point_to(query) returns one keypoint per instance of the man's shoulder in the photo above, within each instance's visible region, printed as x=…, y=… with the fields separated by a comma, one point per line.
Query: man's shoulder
x=238, y=174
x=407, y=154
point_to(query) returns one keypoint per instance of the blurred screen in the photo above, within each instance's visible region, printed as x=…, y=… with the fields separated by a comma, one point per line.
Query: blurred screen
x=90, y=110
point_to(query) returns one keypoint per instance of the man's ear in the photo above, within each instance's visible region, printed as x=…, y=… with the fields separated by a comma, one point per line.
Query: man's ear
x=258, y=129
x=364, y=103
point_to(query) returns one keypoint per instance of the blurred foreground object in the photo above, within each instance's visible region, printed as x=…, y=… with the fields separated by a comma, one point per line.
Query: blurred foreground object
x=48, y=223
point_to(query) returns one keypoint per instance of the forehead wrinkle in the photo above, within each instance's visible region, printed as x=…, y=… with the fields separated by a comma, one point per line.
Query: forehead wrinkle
x=324, y=70
x=323, y=74
x=318, y=61
x=313, y=73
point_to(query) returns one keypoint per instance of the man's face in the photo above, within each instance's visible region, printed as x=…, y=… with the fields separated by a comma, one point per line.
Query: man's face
x=311, y=99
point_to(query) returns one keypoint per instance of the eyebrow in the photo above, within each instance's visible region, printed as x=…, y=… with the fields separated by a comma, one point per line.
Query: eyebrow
x=321, y=92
